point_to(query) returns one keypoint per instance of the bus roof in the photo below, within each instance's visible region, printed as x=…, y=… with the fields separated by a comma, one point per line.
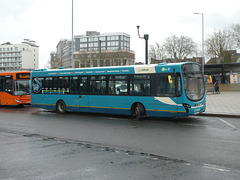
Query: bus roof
x=13, y=72
x=114, y=70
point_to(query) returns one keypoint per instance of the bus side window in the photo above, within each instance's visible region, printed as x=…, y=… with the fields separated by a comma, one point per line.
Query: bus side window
x=83, y=87
x=48, y=82
x=37, y=85
x=64, y=82
x=74, y=85
x=166, y=85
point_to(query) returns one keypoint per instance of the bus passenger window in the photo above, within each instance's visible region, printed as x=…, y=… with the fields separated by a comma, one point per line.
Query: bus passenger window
x=48, y=82
x=98, y=87
x=73, y=85
x=117, y=87
x=37, y=85
x=140, y=87
x=83, y=88
x=64, y=82
x=166, y=85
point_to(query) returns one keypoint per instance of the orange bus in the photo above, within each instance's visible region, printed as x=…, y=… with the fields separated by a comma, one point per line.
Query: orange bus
x=14, y=88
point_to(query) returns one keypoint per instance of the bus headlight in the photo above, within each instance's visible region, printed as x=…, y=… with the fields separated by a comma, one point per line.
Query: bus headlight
x=17, y=100
x=186, y=106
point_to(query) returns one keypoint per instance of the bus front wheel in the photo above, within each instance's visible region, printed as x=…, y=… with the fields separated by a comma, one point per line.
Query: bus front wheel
x=138, y=111
x=61, y=107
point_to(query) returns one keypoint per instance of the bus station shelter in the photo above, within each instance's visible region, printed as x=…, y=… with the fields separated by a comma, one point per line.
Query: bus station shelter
x=222, y=72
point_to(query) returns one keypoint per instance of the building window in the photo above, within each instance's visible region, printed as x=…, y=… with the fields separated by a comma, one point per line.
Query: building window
x=102, y=38
x=95, y=39
x=83, y=45
x=83, y=40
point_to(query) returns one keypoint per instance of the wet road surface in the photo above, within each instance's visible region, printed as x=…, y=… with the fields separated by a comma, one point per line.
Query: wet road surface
x=38, y=144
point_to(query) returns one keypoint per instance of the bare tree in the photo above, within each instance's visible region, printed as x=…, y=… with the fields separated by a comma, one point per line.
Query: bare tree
x=48, y=64
x=218, y=42
x=170, y=45
x=235, y=35
x=186, y=47
x=180, y=47
x=156, y=52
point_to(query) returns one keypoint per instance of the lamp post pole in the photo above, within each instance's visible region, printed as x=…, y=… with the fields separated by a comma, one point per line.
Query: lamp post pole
x=72, y=38
x=100, y=52
x=203, y=58
x=146, y=37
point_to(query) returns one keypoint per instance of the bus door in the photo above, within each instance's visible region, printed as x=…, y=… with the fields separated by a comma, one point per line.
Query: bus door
x=97, y=90
x=165, y=99
x=38, y=90
x=79, y=86
x=6, y=90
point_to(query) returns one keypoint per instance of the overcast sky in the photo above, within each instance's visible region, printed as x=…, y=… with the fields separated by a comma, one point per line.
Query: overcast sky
x=48, y=21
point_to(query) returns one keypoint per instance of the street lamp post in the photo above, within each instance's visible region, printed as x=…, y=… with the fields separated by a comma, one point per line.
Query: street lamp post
x=100, y=52
x=146, y=37
x=203, y=59
x=72, y=38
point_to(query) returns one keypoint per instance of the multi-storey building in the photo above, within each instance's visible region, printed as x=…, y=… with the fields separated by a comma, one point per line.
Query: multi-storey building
x=63, y=56
x=19, y=56
x=94, y=49
x=54, y=60
x=64, y=53
x=110, y=49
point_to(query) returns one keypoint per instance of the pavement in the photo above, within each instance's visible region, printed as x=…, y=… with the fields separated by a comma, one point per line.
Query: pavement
x=226, y=103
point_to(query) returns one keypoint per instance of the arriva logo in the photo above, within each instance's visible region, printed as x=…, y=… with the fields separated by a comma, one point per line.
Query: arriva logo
x=165, y=69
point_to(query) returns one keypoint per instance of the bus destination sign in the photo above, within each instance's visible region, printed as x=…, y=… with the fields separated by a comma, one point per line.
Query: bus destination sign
x=23, y=76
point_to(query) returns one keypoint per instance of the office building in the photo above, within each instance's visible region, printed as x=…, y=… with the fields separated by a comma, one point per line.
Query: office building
x=108, y=49
x=93, y=50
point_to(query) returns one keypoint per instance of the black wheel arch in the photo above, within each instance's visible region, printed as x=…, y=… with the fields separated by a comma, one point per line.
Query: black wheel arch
x=133, y=108
x=57, y=103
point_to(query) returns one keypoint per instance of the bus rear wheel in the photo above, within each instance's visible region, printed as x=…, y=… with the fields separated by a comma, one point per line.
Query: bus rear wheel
x=61, y=107
x=139, y=111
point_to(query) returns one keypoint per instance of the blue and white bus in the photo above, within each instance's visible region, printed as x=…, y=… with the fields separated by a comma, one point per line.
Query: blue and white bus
x=160, y=90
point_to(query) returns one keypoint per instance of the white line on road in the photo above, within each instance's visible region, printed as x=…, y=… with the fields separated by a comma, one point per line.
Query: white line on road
x=215, y=168
x=227, y=123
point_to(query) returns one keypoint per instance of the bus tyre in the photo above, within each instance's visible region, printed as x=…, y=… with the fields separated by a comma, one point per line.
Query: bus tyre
x=61, y=107
x=139, y=111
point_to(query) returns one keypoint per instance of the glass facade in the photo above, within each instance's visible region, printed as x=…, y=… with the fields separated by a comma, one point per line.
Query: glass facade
x=111, y=41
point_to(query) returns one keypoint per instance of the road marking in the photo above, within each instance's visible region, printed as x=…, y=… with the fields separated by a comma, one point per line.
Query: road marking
x=215, y=168
x=227, y=123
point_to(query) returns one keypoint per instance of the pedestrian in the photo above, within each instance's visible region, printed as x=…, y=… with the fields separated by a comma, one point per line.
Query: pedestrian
x=216, y=86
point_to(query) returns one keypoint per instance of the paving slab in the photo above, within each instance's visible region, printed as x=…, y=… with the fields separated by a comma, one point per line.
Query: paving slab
x=225, y=103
